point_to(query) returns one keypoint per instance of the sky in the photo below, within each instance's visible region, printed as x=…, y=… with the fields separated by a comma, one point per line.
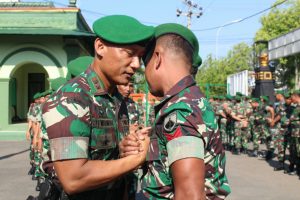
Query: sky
x=216, y=13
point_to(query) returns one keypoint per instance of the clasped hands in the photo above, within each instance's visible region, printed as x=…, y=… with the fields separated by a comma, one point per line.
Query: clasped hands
x=136, y=142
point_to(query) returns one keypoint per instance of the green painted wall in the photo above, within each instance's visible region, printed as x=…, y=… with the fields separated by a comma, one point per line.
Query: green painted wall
x=4, y=111
x=21, y=75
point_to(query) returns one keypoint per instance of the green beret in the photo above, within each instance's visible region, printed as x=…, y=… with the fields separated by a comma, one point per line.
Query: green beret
x=266, y=98
x=47, y=92
x=237, y=97
x=255, y=99
x=279, y=92
x=238, y=94
x=78, y=65
x=197, y=62
x=185, y=33
x=122, y=29
x=221, y=97
x=56, y=83
x=36, y=95
x=228, y=97
x=287, y=94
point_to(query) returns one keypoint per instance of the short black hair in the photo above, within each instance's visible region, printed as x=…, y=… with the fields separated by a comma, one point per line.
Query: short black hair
x=178, y=45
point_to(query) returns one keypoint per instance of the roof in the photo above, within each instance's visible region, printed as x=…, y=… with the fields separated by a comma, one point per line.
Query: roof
x=42, y=19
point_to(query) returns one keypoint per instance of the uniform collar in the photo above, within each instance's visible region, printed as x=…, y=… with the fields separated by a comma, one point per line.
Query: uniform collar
x=178, y=87
x=97, y=87
x=181, y=85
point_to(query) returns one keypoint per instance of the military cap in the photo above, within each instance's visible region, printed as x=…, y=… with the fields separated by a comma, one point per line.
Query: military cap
x=279, y=92
x=56, y=83
x=266, y=98
x=122, y=29
x=78, y=65
x=221, y=97
x=36, y=95
x=287, y=94
x=228, y=96
x=255, y=99
x=185, y=33
x=238, y=94
x=47, y=92
x=237, y=97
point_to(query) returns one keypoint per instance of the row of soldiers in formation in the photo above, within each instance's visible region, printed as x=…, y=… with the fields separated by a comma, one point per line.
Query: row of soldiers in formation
x=40, y=156
x=243, y=119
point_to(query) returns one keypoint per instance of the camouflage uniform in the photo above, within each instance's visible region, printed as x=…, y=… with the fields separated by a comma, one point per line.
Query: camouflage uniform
x=151, y=118
x=259, y=125
x=241, y=132
x=132, y=111
x=282, y=127
x=230, y=124
x=30, y=116
x=223, y=123
x=141, y=111
x=84, y=121
x=37, y=154
x=295, y=135
x=184, y=117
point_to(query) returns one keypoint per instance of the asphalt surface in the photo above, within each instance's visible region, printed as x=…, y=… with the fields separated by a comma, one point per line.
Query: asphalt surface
x=249, y=178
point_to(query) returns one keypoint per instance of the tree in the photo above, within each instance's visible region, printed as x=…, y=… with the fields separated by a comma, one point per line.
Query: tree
x=277, y=22
x=215, y=71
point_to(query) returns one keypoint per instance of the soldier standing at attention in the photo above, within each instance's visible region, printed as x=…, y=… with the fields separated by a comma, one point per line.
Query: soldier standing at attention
x=281, y=124
x=29, y=132
x=86, y=118
x=295, y=134
x=186, y=159
x=131, y=105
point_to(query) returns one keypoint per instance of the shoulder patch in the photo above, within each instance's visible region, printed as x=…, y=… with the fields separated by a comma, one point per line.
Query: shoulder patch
x=170, y=122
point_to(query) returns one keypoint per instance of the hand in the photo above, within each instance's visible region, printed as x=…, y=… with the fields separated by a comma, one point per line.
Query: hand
x=39, y=145
x=131, y=144
x=144, y=146
x=27, y=135
x=35, y=143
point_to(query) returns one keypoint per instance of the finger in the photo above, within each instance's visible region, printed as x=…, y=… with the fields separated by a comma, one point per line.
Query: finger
x=131, y=148
x=130, y=153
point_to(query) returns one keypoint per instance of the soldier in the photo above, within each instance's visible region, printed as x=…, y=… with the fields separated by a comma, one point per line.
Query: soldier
x=186, y=151
x=131, y=105
x=258, y=124
x=295, y=134
x=29, y=132
x=86, y=118
x=125, y=91
x=151, y=118
x=46, y=185
x=269, y=128
x=239, y=114
x=141, y=111
x=281, y=125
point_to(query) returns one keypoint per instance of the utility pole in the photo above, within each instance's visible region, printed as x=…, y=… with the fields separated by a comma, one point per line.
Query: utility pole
x=193, y=9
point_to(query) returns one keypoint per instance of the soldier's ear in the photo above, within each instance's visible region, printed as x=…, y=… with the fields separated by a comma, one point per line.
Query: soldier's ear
x=99, y=47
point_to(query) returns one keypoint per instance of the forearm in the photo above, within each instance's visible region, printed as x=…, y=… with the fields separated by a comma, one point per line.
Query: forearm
x=91, y=174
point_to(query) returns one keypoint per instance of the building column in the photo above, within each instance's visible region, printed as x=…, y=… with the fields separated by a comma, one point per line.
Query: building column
x=4, y=102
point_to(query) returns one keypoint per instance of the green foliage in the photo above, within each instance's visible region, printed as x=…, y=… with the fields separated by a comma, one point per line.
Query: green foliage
x=279, y=20
x=139, y=80
x=215, y=71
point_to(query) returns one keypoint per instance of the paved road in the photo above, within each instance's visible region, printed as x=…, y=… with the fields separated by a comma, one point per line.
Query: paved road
x=250, y=178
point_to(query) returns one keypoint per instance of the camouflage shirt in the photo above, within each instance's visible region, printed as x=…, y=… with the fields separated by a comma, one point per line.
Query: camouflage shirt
x=295, y=120
x=84, y=121
x=185, y=126
x=30, y=111
x=132, y=111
